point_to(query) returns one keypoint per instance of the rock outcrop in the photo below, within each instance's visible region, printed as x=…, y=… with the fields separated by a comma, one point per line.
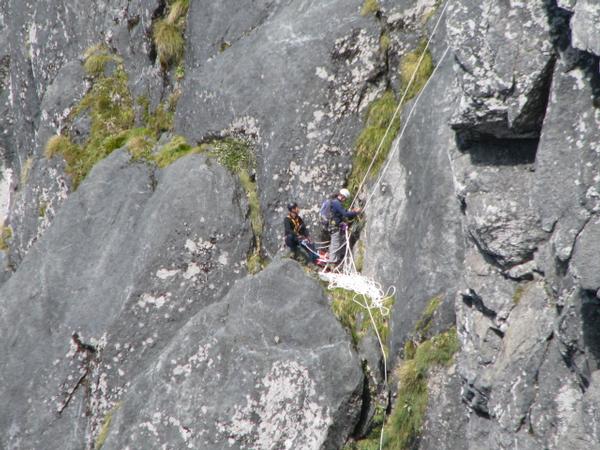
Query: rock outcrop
x=130, y=257
x=128, y=317
x=241, y=374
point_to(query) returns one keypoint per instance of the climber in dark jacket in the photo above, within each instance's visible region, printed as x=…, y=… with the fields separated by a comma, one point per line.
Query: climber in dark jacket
x=296, y=235
x=333, y=215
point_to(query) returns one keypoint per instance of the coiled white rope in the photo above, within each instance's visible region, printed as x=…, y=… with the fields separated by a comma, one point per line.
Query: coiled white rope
x=368, y=293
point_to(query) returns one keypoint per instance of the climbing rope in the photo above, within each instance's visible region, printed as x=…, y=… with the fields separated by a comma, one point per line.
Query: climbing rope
x=401, y=102
x=368, y=293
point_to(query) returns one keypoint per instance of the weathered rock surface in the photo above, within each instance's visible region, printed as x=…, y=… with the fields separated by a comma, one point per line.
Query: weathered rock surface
x=131, y=256
x=45, y=41
x=585, y=34
x=505, y=55
x=267, y=367
x=415, y=203
x=294, y=84
x=123, y=312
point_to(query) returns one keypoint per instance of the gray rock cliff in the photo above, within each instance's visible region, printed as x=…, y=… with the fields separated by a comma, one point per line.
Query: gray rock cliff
x=128, y=316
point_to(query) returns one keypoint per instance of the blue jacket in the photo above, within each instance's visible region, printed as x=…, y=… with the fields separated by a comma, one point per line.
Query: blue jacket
x=339, y=213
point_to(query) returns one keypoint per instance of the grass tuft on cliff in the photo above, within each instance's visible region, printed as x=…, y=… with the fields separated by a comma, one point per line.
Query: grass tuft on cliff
x=423, y=325
x=5, y=237
x=369, y=7
x=404, y=425
x=167, y=34
x=176, y=148
x=408, y=65
x=96, y=58
x=108, y=104
x=56, y=145
x=381, y=112
x=168, y=41
x=379, y=116
x=110, y=108
x=355, y=318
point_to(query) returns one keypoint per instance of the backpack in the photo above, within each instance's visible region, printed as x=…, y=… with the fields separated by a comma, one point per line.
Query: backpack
x=325, y=213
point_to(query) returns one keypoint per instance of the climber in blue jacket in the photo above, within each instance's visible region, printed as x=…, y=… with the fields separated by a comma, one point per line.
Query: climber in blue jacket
x=333, y=215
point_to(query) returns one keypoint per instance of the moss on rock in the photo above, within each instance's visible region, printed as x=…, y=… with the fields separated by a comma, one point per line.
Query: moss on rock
x=379, y=117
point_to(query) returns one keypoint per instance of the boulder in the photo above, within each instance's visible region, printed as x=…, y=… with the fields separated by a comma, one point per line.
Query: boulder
x=267, y=367
x=129, y=259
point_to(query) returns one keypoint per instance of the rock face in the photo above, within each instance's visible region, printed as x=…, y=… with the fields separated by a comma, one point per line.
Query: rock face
x=231, y=379
x=127, y=316
x=131, y=256
x=292, y=76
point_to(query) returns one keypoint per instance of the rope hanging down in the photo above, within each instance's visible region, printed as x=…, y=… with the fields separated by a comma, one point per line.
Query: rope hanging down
x=368, y=293
x=345, y=275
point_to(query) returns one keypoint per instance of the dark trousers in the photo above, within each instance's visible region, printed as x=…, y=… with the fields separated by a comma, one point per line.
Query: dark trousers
x=305, y=249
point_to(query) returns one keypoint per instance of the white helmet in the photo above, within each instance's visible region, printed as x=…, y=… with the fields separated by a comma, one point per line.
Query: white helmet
x=345, y=192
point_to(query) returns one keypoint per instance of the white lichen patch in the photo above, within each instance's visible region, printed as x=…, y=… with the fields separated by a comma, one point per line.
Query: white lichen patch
x=147, y=300
x=567, y=401
x=164, y=274
x=285, y=414
x=223, y=258
x=200, y=357
x=6, y=176
x=322, y=73
x=247, y=126
x=192, y=271
x=413, y=17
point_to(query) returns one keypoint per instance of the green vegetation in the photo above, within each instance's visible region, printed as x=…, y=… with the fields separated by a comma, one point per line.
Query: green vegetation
x=55, y=145
x=408, y=65
x=173, y=150
x=167, y=33
x=234, y=154
x=355, y=318
x=5, y=237
x=140, y=142
x=105, y=429
x=27, y=165
x=385, y=42
x=109, y=105
x=224, y=46
x=424, y=323
x=404, y=424
x=379, y=117
x=369, y=7
x=518, y=294
x=161, y=119
x=180, y=72
x=380, y=114
x=96, y=58
x=359, y=259
x=42, y=209
x=371, y=441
